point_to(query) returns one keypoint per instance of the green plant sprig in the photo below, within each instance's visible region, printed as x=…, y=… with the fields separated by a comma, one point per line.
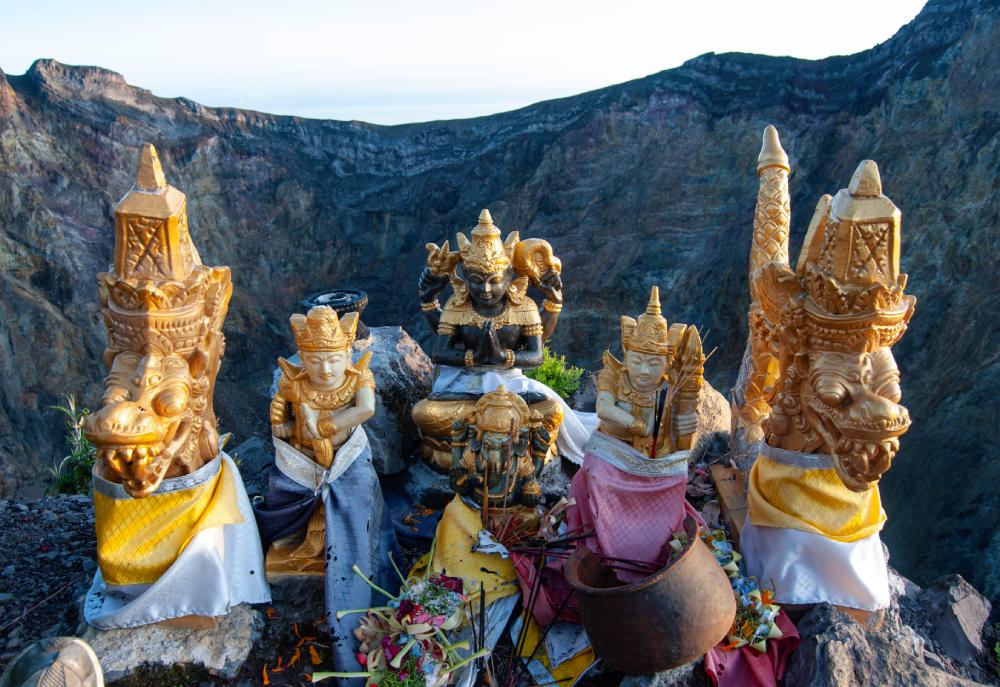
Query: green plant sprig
x=556, y=374
x=73, y=473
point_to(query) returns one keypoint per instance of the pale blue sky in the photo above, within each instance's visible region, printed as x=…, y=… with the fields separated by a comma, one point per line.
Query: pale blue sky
x=394, y=61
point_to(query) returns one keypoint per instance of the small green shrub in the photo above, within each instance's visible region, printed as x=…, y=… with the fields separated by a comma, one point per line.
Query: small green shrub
x=556, y=374
x=72, y=475
x=996, y=650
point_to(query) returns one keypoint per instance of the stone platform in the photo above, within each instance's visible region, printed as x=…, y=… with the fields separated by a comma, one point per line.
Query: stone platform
x=221, y=650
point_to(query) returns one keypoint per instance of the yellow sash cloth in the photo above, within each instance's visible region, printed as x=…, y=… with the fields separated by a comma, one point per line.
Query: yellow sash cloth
x=139, y=539
x=456, y=534
x=811, y=499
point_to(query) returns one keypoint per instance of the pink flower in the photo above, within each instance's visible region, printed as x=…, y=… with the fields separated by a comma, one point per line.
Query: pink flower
x=409, y=608
x=361, y=658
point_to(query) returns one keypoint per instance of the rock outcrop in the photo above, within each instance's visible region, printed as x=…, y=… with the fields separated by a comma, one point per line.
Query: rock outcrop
x=647, y=182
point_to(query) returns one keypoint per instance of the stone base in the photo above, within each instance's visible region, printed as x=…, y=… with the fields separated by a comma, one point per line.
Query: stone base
x=298, y=597
x=688, y=675
x=221, y=650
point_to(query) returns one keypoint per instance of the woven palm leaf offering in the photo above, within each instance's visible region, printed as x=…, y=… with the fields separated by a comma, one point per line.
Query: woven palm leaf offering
x=405, y=643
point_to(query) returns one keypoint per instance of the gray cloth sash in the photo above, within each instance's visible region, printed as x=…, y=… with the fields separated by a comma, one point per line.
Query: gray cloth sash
x=796, y=459
x=627, y=459
x=358, y=532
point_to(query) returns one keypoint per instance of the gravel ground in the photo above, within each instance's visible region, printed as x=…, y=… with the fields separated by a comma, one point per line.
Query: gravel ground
x=48, y=562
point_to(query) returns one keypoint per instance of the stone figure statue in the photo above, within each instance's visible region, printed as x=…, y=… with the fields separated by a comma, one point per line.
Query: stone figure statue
x=631, y=488
x=497, y=452
x=324, y=512
x=820, y=388
x=169, y=505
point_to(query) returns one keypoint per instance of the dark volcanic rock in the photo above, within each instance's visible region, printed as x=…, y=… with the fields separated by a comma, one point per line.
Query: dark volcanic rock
x=647, y=182
x=905, y=649
x=836, y=650
x=958, y=614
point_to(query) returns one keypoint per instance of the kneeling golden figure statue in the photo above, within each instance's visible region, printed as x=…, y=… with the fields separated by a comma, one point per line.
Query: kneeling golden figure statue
x=317, y=406
x=650, y=400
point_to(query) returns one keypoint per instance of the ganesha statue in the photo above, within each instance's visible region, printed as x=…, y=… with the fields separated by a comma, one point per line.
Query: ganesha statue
x=631, y=488
x=169, y=505
x=324, y=512
x=497, y=452
x=488, y=331
x=820, y=388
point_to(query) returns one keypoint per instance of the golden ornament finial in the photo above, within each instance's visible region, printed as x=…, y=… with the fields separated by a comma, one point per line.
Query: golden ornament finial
x=150, y=177
x=650, y=333
x=866, y=182
x=486, y=252
x=771, y=152
x=653, y=307
x=151, y=232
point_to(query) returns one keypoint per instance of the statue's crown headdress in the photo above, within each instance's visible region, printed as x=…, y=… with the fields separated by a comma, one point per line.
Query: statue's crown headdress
x=496, y=409
x=158, y=292
x=321, y=330
x=486, y=252
x=650, y=333
x=848, y=269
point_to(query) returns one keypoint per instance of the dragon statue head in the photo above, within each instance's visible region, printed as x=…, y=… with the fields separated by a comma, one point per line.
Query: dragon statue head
x=820, y=376
x=163, y=311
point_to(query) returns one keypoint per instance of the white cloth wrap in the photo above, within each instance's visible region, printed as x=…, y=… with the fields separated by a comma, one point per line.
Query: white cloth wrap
x=305, y=471
x=575, y=429
x=807, y=568
x=220, y=568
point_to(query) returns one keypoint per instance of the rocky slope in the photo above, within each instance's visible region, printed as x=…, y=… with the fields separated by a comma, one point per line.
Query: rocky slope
x=650, y=181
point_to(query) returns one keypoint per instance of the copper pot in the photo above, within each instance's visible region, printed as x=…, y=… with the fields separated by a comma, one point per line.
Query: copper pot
x=667, y=620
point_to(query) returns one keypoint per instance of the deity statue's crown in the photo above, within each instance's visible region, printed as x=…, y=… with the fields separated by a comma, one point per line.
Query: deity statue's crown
x=158, y=292
x=650, y=333
x=321, y=330
x=853, y=296
x=495, y=411
x=486, y=252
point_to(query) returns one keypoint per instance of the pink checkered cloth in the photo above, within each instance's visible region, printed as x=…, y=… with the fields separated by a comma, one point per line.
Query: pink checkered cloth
x=633, y=517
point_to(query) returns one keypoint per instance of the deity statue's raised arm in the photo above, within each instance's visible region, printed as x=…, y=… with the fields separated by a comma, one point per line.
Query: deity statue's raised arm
x=163, y=489
x=488, y=330
x=821, y=388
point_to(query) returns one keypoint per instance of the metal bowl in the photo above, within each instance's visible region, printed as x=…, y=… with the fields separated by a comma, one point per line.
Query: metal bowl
x=343, y=301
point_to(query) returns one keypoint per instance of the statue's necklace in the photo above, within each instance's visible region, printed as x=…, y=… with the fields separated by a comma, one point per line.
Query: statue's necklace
x=643, y=399
x=330, y=400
